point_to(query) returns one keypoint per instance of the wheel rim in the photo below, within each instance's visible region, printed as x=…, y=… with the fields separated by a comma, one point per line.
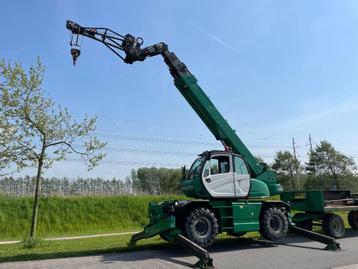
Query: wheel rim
x=337, y=227
x=203, y=227
x=276, y=224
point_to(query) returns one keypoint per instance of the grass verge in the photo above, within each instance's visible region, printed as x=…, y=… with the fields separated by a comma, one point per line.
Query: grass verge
x=72, y=248
x=70, y=216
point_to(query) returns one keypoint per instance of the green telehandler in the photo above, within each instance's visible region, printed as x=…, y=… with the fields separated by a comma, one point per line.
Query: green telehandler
x=230, y=188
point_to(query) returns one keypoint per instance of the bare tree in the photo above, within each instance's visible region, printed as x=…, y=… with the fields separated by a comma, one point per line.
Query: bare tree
x=41, y=132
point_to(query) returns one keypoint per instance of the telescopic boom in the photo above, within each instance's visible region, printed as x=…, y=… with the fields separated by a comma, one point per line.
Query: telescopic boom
x=186, y=84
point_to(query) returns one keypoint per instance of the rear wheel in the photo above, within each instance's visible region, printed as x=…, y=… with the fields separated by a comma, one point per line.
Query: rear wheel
x=353, y=219
x=306, y=224
x=333, y=225
x=201, y=226
x=273, y=223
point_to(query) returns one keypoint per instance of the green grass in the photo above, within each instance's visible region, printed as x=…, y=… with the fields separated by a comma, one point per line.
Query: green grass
x=68, y=216
x=72, y=248
x=88, y=246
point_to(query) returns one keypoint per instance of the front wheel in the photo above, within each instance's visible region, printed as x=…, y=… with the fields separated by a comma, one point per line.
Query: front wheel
x=201, y=226
x=273, y=224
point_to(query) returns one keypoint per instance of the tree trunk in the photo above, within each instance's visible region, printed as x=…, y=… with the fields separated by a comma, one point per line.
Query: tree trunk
x=292, y=180
x=36, y=200
x=335, y=177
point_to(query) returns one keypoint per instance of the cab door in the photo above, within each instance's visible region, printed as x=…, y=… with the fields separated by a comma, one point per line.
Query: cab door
x=218, y=176
x=241, y=177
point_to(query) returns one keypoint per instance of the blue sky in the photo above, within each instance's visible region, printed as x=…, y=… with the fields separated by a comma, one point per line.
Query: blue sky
x=275, y=69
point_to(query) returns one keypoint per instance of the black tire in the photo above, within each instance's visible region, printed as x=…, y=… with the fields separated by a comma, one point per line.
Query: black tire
x=273, y=224
x=201, y=226
x=353, y=219
x=305, y=224
x=333, y=225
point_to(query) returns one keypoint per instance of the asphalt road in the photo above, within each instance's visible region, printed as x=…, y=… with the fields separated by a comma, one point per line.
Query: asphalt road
x=230, y=254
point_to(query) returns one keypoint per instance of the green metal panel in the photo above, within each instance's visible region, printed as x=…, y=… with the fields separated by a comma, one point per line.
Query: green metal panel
x=306, y=216
x=258, y=189
x=156, y=211
x=269, y=178
x=162, y=225
x=159, y=223
x=225, y=216
x=308, y=201
x=194, y=188
x=238, y=217
x=246, y=216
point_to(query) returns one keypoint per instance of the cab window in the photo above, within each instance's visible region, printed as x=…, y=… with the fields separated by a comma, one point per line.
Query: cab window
x=195, y=168
x=206, y=170
x=240, y=166
x=219, y=165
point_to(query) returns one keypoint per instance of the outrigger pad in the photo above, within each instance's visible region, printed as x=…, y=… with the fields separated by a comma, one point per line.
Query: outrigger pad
x=205, y=261
x=204, y=265
x=136, y=237
x=330, y=242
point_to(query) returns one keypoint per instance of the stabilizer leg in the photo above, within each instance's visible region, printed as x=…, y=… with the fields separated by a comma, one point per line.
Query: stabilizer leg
x=205, y=260
x=330, y=242
x=136, y=237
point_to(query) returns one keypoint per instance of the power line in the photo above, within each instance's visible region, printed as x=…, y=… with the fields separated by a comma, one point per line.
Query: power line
x=267, y=146
x=172, y=140
x=130, y=162
x=156, y=139
x=156, y=152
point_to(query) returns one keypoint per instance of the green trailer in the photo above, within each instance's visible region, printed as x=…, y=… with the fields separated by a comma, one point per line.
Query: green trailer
x=319, y=208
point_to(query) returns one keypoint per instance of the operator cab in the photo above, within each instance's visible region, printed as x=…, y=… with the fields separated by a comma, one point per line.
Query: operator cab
x=221, y=174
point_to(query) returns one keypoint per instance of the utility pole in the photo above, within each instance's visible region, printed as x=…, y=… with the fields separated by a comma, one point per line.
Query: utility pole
x=294, y=155
x=311, y=149
x=310, y=141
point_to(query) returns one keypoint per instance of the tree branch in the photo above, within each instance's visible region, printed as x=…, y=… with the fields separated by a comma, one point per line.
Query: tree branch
x=67, y=144
x=27, y=148
x=27, y=116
